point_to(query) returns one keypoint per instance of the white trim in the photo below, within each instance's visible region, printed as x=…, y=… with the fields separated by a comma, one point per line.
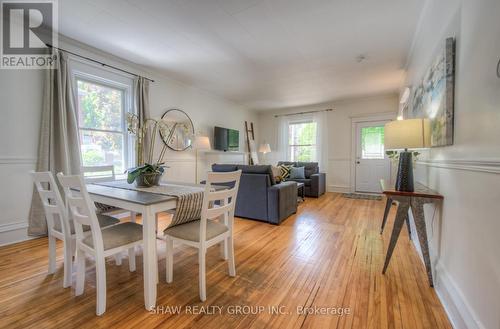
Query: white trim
x=339, y=159
x=491, y=166
x=17, y=160
x=339, y=188
x=387, y=116
x=374, y=117
x=7, y=227
x=455, y=305
x=180, y=160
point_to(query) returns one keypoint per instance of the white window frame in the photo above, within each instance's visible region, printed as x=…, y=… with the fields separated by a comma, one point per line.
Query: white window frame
x=82, y=70
x=290, y=146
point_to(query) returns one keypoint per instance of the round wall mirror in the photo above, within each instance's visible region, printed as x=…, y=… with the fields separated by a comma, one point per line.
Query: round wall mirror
x=176, y=130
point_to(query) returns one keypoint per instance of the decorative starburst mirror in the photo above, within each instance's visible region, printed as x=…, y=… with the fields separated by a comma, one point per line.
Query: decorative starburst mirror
x=176, y=130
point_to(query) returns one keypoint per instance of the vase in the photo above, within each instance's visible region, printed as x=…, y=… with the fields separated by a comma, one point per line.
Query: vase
x=148, y=180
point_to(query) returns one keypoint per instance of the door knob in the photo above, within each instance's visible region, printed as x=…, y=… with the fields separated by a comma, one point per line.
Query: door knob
x=357, y=162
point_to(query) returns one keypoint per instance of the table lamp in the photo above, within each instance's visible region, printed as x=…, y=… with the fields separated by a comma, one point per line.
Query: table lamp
x=264, y=148
x=406, y=134
x=200, y=143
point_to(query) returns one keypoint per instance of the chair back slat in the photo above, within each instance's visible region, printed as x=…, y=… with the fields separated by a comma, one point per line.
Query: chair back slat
x=219, y=203
x=220, y=195
x=94, y=174
x=217, y=211
x=54, y=207
x=81, y=208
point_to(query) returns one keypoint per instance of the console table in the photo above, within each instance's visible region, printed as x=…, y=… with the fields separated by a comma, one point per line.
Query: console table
x=414, y=200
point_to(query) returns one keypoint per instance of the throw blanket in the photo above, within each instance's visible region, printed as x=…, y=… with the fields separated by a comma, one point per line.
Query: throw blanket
x=189, y=198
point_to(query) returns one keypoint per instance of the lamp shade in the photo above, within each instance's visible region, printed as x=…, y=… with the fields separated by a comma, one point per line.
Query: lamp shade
x=407, y=134
x=202, y=143
x=264, y=148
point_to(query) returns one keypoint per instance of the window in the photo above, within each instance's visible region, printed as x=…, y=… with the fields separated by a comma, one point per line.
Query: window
x=102, y=101
x=302, y=141
x=372, y=143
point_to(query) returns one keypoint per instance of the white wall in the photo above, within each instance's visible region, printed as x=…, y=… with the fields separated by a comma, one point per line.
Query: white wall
x=464, y=235
x=20, y=104
x=339, y=133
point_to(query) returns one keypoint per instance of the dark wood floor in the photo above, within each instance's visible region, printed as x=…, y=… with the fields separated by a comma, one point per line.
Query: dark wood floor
x=329, y=255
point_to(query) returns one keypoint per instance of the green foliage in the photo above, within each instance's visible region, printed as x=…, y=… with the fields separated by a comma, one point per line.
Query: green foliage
x=394, y=155
x=304, y=136
x=372, y=136
x=92, y=158
x=147, y=168
x=100, y=106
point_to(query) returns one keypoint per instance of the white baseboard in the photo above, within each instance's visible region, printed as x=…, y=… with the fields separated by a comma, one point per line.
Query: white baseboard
x=456, y=306
x=14, y=232
x=338, y=188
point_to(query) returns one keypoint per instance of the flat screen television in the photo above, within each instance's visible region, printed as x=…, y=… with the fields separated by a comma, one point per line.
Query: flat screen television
x=226, y=139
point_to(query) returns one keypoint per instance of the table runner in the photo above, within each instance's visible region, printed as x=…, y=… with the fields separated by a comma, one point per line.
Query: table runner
x=189, y=198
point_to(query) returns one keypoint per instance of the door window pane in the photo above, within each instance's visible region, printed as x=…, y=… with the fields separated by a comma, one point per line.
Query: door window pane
x=103, y=148
x=372, y=143
x=100, y=107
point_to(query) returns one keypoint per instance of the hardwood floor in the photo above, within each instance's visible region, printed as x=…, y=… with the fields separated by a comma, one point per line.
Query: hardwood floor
x=329, y=255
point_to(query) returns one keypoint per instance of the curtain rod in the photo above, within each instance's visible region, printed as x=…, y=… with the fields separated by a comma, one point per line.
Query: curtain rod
x=298, y=113
x=98, y=62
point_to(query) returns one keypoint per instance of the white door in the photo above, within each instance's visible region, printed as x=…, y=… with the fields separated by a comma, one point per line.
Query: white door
x=372, y=164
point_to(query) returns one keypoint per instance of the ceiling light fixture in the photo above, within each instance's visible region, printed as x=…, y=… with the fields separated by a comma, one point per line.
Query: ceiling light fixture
x=360, y=58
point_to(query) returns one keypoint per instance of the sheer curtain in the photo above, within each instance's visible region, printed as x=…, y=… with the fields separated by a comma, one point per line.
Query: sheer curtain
x=321, y=119
x=58, y=146
x=282, y=144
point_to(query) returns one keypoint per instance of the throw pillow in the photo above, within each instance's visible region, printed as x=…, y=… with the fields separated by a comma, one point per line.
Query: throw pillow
x=276, y=173
x=297, y=173
x=284, y=171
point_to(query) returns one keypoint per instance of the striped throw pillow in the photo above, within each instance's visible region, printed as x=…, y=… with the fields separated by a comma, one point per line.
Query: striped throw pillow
x=285, y=171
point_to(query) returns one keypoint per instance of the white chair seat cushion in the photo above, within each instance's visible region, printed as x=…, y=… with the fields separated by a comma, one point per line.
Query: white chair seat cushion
x=104, y=221
x=117, y=235
x=191, y=231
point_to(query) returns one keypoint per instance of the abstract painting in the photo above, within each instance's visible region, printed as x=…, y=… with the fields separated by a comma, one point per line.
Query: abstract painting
x=433, y=97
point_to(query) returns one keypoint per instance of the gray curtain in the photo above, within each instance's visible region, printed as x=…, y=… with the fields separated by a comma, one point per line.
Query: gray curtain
x=141, y=99
x=58, y=146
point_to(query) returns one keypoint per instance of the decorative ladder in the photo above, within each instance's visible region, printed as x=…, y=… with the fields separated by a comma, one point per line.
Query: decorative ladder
x=248, y=133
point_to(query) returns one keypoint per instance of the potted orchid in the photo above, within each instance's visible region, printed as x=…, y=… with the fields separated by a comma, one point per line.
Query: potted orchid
x=148, y=173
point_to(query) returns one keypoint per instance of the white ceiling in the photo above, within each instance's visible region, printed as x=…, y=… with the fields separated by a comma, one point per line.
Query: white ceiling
x=260, y=53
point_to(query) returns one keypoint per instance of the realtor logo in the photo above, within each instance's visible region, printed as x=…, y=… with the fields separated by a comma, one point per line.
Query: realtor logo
x=27, y=28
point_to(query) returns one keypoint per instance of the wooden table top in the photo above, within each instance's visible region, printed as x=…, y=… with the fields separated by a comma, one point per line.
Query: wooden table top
x=420, y=191
x=138, y=197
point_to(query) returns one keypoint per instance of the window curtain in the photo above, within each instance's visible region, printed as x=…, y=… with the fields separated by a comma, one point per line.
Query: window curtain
x=282, y=151
x=321, y=119
x=141, y=100
x=58, y=146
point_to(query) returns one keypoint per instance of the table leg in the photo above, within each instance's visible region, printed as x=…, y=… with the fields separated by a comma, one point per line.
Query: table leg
x=408, y=226
x=417, y=209
x=150, y=260
x=388, y=205
x=401, y=216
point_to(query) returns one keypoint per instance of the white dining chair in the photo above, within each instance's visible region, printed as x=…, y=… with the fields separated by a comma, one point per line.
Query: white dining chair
x=59, y=224
x=208, y=230
x=101, y=243
x=99, y=174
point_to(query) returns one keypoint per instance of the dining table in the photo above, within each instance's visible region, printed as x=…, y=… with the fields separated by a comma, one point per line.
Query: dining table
x=149, y=205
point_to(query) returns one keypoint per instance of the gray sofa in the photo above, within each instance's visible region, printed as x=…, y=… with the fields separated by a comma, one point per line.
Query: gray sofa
x=259, y=197
x=314, y=182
